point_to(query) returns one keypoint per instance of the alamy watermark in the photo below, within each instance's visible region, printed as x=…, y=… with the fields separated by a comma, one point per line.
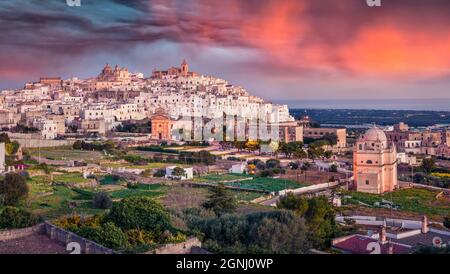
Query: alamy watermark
x=373, y=3
x=73, y=3
x=370, y=3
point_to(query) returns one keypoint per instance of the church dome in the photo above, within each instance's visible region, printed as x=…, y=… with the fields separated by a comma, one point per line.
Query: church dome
x=375, y=134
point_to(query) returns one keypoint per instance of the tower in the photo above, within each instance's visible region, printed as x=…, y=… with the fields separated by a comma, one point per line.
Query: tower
x=184, y=68
x=375, y=163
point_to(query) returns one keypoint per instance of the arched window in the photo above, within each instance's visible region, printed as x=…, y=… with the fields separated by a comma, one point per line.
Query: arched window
x=369, y=162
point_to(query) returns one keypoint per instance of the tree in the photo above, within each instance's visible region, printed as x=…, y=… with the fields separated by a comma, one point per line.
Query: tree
x=273, y=163
x=12, y=217
x=160, y=173
x=252, y=145
x=4, y=138
x=292, y=202
x=275, y=232
x=294, y=165
x=220, y=201
x=13, y=188
x=179, y=172
x=315, y=152
x=300, y=153
x=240, y=145
x=319, y=215
x=107, y=234
x=428, y=164
x=320, y=218
x=140, y=213
x=12, y=147
x=328, y=154
x=333, y=168
x=77, y=145
x=102, y=200
x=290, y=148
x=331, y=138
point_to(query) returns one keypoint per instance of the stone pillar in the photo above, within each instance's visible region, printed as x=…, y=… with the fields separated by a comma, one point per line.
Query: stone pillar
x=52, y=233
x=424, y=229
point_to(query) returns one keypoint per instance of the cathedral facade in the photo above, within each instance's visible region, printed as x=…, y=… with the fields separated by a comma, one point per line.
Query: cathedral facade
x=375, y=163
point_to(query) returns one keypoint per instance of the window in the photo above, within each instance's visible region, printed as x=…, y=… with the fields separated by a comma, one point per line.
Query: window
x=369, y=162
x=367, y=182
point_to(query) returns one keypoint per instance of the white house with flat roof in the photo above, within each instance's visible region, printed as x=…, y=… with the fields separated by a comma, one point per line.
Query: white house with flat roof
x=188, y=173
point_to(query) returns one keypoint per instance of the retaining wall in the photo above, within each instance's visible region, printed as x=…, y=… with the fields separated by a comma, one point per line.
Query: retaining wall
x=179, y=248
x=65, y=237
x=11, y=234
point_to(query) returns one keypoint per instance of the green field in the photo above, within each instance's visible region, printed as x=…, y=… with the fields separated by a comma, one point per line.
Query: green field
x=259, y=183
x=57, y=203
x=267, y=184
x=221, y=177
x=53, y=201
x=152, y=191
x=111, y=180
x=412, y=199
x=246, y=196
x=70, y=177
x=128, y=165
x=66, y=153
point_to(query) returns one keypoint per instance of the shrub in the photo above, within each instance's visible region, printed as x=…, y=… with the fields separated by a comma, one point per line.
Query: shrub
x=256, y=233
x=220, y=201
x=273, y=163
x=447, y=222
x=140, y=213
x=107, y=234
x=160, y=173
x=139, y=237
x=102, y=200
x=12, y=217
x=112, y=236
x=12, y=189
x=333, y=168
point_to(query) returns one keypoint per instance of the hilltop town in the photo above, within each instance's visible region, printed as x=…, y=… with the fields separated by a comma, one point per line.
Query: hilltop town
x=87, y=161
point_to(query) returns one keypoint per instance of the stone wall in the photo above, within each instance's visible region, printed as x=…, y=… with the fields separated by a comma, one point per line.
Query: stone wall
x=179, y=248
x=32, y=143
x=12, y=234
x=65, y=237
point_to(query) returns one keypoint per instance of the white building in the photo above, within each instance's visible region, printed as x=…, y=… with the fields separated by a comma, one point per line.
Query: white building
x=188, y=173
x=2, y=156
x=238, y=168
x=375, y=163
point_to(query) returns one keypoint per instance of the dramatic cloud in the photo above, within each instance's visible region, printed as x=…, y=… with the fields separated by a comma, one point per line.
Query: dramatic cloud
x=303, y=48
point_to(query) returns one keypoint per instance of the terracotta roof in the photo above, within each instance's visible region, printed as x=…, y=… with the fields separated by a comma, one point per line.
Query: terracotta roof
x=357, y=244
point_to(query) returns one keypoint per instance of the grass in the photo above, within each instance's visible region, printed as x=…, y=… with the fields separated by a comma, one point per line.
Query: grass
x=65, y=153
x=441, y=175
x=147, y=166
x=56, y=204
x=221, y=177
x=267, y=184
x=152, y=191
x=416, y=200
x=70, y=177
x=111, y=180
x=259, y=183
x=246, y=196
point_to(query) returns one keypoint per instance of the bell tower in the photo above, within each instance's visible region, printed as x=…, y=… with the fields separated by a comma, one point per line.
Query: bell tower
x=184, y=68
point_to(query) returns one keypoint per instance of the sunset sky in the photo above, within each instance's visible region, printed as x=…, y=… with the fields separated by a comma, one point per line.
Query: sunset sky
x=277, y=49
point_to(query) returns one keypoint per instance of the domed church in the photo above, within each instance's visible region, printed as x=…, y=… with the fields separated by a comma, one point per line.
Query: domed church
x=375, y=163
